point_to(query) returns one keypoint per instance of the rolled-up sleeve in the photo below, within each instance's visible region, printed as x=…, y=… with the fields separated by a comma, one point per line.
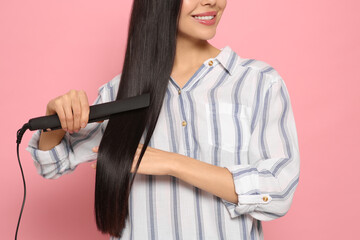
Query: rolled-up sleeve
x=74, y=148
x=265, y=187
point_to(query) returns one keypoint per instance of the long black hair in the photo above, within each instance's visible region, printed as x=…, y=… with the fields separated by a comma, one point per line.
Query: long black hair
x=149, y=59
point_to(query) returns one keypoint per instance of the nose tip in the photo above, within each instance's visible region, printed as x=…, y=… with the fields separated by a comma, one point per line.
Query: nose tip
x=208, y=2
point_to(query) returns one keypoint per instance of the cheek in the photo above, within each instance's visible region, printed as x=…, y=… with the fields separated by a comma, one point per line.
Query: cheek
x=185, y=24
x=222, y=4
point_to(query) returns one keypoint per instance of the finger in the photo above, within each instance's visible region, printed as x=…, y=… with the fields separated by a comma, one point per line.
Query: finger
x=95, y=149
x=136, y=158
x=137, y=153
x=68, y=114
x=61, y=114
x=93, y=165
x=85, y=109
x=133, y=166
x=132, y=170
x=76, y=109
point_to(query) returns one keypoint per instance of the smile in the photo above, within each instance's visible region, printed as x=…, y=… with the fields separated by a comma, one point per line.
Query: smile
x=207, y=18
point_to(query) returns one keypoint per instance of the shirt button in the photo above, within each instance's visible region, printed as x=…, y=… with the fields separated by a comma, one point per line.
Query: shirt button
x=265, y=199
x=211, y=63
x=183, y=123
x=179, y=91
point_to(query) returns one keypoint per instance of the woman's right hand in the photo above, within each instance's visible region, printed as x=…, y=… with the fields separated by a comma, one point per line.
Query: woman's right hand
x=72, y=108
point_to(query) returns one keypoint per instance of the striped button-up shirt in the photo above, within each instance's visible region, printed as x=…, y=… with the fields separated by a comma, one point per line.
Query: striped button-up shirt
x=233, y=113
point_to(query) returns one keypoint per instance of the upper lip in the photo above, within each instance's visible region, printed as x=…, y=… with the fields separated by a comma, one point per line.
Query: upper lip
x=205, y=14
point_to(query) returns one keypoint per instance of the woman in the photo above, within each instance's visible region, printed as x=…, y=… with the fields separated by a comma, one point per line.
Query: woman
x=215, y=153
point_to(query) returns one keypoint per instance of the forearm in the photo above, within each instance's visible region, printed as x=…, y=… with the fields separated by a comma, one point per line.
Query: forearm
x=213, y=179
x=49, y=140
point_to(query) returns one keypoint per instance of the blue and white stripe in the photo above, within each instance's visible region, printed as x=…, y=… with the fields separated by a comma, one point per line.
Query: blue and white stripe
x=239, y=117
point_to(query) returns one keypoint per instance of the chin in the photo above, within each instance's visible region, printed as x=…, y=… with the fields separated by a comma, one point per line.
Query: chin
x=203, y=34
x=199, y=34
x=206, y=36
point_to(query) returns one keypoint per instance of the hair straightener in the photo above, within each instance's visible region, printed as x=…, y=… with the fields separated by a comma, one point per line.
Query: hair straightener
x=97, y=113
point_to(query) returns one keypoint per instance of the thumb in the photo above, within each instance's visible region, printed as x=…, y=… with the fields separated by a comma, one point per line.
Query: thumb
x=93, y=165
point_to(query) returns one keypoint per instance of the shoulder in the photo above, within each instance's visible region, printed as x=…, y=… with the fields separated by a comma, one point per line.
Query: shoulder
x=259, y=69
x=108, y=91
x=110, y=84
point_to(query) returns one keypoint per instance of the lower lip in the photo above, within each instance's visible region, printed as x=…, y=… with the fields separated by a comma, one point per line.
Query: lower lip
x=206, y=22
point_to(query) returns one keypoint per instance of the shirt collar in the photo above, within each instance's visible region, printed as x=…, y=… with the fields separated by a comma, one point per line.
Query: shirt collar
x=227, y=58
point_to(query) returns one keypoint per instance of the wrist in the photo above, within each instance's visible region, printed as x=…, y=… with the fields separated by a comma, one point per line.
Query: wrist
x=174, y=165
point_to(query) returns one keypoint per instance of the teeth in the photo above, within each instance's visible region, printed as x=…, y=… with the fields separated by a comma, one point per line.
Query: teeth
x=204, y=17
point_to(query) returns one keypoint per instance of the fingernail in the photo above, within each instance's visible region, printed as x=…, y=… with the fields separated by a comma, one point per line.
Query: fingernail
x=83, y=125
x=65, y=129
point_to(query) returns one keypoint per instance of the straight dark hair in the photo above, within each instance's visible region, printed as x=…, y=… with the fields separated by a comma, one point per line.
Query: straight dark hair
x=149, y=59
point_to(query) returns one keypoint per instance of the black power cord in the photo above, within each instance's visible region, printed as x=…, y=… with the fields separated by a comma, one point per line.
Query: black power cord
x=19, y=136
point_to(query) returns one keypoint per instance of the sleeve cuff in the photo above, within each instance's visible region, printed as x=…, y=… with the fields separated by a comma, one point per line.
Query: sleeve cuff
x=48, y=157
x=247, y=189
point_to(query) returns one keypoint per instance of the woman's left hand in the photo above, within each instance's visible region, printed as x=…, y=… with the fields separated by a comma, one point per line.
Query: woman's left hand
x=154, y=161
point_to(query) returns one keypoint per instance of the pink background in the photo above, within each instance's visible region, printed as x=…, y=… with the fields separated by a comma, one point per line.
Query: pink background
x=48, y=47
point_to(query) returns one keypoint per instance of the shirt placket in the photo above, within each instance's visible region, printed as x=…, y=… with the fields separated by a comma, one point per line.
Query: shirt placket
x=184, y=120
x=184, y=105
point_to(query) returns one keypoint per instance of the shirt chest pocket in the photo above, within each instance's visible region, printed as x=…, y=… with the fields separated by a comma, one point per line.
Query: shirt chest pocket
x=228, y=126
